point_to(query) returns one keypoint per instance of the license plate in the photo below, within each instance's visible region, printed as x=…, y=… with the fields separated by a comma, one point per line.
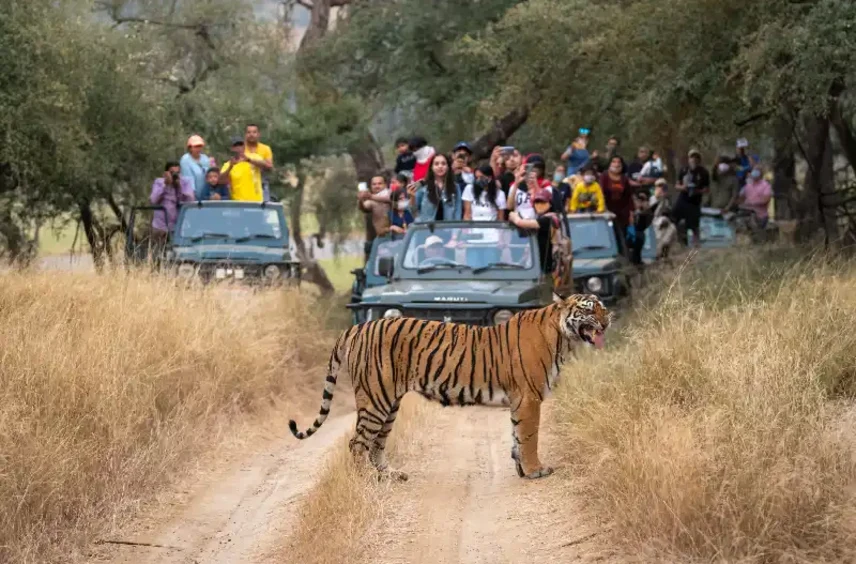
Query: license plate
x=220, y=273
x=239, y=273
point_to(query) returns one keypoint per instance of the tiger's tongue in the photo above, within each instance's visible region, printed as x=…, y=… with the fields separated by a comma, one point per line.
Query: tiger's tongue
x=598, y=338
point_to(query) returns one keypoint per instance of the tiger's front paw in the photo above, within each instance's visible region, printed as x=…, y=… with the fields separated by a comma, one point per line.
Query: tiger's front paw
x=540, y=473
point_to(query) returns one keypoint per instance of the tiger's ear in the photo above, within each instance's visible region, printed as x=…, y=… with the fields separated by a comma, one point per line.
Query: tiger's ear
x=557, y=299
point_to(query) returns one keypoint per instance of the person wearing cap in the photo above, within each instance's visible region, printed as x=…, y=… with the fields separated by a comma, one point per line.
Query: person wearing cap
x=463, y=151
x=239, y=174
x=260, y=156
x=659, y=202
x=744, y=161
x=194, y=164
x=542, y=201
x=693, y=184
x=577, y=155
x=435, y=251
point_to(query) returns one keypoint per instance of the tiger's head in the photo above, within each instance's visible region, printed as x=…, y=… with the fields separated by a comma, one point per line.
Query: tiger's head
x=582, y=317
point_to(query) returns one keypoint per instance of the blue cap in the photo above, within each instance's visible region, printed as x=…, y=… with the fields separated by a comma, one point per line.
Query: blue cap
x=463, y=145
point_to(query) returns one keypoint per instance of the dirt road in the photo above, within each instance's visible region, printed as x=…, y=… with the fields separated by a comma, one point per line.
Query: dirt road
x=462, y=504
x=235, y=513
x=465, y=504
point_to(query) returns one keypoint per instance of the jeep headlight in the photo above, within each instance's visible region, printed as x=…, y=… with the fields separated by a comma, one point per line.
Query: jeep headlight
x=272, y=271
x=594, y=284
x=392, y=313
x=186, y=270
x=502, y=316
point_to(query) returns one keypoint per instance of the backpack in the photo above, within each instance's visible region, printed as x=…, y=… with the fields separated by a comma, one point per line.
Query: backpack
x=562, y=253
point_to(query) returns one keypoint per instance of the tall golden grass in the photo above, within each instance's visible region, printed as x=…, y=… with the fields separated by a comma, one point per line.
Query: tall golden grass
x=717, y=430
x=108, y=384
x=342, y=517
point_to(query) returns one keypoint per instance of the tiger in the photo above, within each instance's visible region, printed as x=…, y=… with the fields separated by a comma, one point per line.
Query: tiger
x=514, y=364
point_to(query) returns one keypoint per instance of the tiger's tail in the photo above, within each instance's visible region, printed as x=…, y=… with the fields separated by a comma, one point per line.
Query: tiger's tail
x=327, y=395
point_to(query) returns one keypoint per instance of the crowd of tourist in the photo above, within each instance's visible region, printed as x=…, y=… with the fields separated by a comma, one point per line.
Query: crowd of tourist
x=195, y=176
x=429, y=185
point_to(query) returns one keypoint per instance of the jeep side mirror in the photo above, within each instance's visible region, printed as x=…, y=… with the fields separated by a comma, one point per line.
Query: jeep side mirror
x=385, y=266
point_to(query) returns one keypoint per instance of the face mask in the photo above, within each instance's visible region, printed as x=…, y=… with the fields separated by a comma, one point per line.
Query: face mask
x=588, y=179
x=756, y=174
x=615, y=169
x=723, y=167
x=402, y=205
x=558, y=177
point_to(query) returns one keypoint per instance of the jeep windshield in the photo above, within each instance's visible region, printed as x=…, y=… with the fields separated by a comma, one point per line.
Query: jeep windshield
x=498, y=249
x=232, y=224
x=593, y=238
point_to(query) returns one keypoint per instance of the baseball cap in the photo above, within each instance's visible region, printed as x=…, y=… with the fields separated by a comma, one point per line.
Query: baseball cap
x=585, y=131
x=463, y=145
x=195, y=141
x=433, y=240
x=694, y=153
x=661, y=182
x=542, y=195
x=236, y=141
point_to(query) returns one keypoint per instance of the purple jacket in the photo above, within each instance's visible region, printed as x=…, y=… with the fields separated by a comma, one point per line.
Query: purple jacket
x=169, y=197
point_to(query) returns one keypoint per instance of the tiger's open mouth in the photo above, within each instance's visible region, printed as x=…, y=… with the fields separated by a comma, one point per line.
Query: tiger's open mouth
x=592, y=336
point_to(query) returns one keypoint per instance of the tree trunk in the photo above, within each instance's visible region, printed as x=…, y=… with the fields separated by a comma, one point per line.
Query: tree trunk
x=816, y=208
x=502, y=129
x=785, y=190
x=845, y=134
x=91, y=230
x=313, y=273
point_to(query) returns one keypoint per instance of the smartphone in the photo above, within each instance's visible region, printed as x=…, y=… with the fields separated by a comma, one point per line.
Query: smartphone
x=362, y=187
x=506, y=149
x=529, y=167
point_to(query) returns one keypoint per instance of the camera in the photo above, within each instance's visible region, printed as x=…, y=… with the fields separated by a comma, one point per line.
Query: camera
x=174, y=177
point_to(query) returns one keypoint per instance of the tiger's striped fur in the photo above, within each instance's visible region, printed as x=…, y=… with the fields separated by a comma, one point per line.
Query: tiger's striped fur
x=515, y=364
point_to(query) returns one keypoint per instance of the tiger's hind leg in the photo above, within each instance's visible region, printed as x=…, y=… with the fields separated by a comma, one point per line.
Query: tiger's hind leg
x=369, y=425
x=377, y=453
x=525, y=421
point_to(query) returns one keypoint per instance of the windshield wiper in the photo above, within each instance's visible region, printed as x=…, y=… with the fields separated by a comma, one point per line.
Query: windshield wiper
x=210, y=235
x=498, y=265
x=256, y=236
x=592, y=248
x=434, y=267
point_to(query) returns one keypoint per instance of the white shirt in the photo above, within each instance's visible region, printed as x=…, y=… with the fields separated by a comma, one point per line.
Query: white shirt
x=523, y=205
x=482, y=210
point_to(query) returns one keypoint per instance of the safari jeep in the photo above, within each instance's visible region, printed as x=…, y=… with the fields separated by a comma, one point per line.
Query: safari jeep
x=599, y=266
x=214, y=241
x=479, y=273
x=369, y=276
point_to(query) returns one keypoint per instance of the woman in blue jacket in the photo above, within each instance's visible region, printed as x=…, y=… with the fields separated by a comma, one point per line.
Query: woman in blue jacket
x=438, y=197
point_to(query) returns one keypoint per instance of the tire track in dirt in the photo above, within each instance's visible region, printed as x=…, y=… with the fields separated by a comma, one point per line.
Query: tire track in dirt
x=237, y=514
x=465, y=504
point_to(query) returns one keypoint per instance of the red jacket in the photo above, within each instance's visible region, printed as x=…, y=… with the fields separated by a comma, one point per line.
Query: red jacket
x=619, y=198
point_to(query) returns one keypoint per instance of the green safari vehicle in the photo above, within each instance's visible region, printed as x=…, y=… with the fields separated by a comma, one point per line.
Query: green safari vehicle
x=215, y=241
x=600, y=267
x=478, y=273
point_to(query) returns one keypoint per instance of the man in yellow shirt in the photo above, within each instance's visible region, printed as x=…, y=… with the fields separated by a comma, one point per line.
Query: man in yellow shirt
x=587, y=195
x=260, y=156
x=241, y=175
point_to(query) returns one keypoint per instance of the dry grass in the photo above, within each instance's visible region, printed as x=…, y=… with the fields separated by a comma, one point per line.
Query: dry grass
x=108, y=385
x=342, y=517
x=715, y=431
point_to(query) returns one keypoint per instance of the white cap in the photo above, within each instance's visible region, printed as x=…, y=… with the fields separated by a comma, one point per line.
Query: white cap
x=742, y=143
x=433, y=240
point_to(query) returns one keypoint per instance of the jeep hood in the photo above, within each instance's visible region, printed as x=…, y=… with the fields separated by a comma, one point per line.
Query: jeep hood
x=449, y=292
x=592, y=266
x=226, y=252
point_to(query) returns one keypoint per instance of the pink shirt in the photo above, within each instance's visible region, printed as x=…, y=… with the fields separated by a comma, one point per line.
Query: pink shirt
x=757, y=195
